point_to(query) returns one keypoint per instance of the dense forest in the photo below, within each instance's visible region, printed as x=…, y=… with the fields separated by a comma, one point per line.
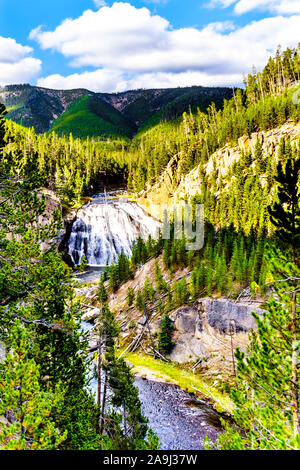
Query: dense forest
x=75, y=167
x=251, y=242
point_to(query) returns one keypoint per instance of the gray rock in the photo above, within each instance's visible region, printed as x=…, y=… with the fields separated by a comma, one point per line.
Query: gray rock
x=220, y=312
x=203, y=331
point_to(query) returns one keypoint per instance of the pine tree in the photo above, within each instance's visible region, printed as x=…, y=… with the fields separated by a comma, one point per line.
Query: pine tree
x=285, y=214
x=264, y=399
x=140, y=303
x=165, y=343
x=30, y=425
x=2, y=125
x=125, y=423
x=148, y=290
x=101, y=292
x=37, y=288
x=161, y=284
x=130, y=296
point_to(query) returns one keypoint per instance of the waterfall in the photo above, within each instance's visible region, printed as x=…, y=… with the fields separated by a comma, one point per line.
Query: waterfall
x=105, y=227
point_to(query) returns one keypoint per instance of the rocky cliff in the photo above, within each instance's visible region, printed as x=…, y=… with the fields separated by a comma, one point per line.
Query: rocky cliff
x=210, y=330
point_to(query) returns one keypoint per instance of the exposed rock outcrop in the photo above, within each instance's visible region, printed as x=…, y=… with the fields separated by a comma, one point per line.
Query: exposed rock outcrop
x=205, y=331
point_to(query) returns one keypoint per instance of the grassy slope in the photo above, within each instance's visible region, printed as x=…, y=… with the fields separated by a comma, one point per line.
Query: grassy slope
x=82, y=119
x=173, y=373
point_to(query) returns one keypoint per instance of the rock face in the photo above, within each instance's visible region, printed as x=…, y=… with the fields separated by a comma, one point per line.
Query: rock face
x=205, y=331
x=170, y=189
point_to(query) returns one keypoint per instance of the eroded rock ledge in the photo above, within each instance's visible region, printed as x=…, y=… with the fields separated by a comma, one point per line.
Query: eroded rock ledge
x=207, y=329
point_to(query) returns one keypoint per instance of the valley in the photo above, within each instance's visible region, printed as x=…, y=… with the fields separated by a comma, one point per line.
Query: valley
x=174, y=338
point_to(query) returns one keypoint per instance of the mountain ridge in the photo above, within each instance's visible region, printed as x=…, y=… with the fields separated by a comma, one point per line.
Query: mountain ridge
x=39, y=107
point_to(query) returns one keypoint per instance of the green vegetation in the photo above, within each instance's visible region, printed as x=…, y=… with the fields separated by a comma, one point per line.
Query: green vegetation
x=130, y=296
x=124, y=423
x=251, y=242
x=22, y=395
x=173, y=373
x=165, y=343
x=91, y=117
x=44, y=380
x=12, y=108
x=267, y=397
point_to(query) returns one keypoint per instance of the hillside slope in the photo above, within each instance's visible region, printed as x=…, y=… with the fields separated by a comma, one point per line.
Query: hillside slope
x=172, y=187
x=36, y=107
x=91, y=117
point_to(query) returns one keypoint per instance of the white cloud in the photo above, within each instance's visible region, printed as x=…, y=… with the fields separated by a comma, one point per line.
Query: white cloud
x=112, y=81
x=116, y=36
x=98, y=80
x=274, y=6
x=220, y=3
x=122, y=41
x=15, y=64
x=281, y=7
x=99, y=3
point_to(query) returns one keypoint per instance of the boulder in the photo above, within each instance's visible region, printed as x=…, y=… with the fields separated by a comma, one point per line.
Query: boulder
x=90, y=314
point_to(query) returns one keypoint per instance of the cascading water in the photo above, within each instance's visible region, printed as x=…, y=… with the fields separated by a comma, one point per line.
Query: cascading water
x=105, y=227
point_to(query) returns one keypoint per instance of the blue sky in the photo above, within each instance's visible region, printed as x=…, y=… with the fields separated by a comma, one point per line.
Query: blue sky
x=111, y=46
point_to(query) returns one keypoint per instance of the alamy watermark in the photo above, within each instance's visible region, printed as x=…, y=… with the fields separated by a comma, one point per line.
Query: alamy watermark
x=296, y=349
x=188, y=223
x=296, y=94
x=2, y=352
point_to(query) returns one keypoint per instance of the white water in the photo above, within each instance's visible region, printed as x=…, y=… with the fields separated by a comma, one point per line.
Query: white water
x=106, y=227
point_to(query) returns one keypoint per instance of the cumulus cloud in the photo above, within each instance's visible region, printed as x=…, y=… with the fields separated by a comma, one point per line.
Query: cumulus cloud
x=99, y=3
x=117, y=36
x=129, y=46
x=114, y=82
x=16, y=65
x=98, y=80
x=275, y=6
x=281, y=7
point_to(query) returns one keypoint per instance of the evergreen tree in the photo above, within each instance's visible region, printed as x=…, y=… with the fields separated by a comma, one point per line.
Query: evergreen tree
x=264, y=399
x=30, y=424
x=165, y=343
x=2, y=125
x=148, y=290
x=130, y=296
x=101, y=292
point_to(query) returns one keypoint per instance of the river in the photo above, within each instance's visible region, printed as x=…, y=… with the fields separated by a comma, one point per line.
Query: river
x=180, y=420
x=103, y=229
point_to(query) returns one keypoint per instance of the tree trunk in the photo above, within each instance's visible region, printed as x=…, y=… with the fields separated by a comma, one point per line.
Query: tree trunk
x=295, y=390
x=103, y=404
x=99, y=373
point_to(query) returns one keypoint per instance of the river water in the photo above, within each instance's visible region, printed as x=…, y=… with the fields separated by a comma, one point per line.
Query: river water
x=180, y=421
